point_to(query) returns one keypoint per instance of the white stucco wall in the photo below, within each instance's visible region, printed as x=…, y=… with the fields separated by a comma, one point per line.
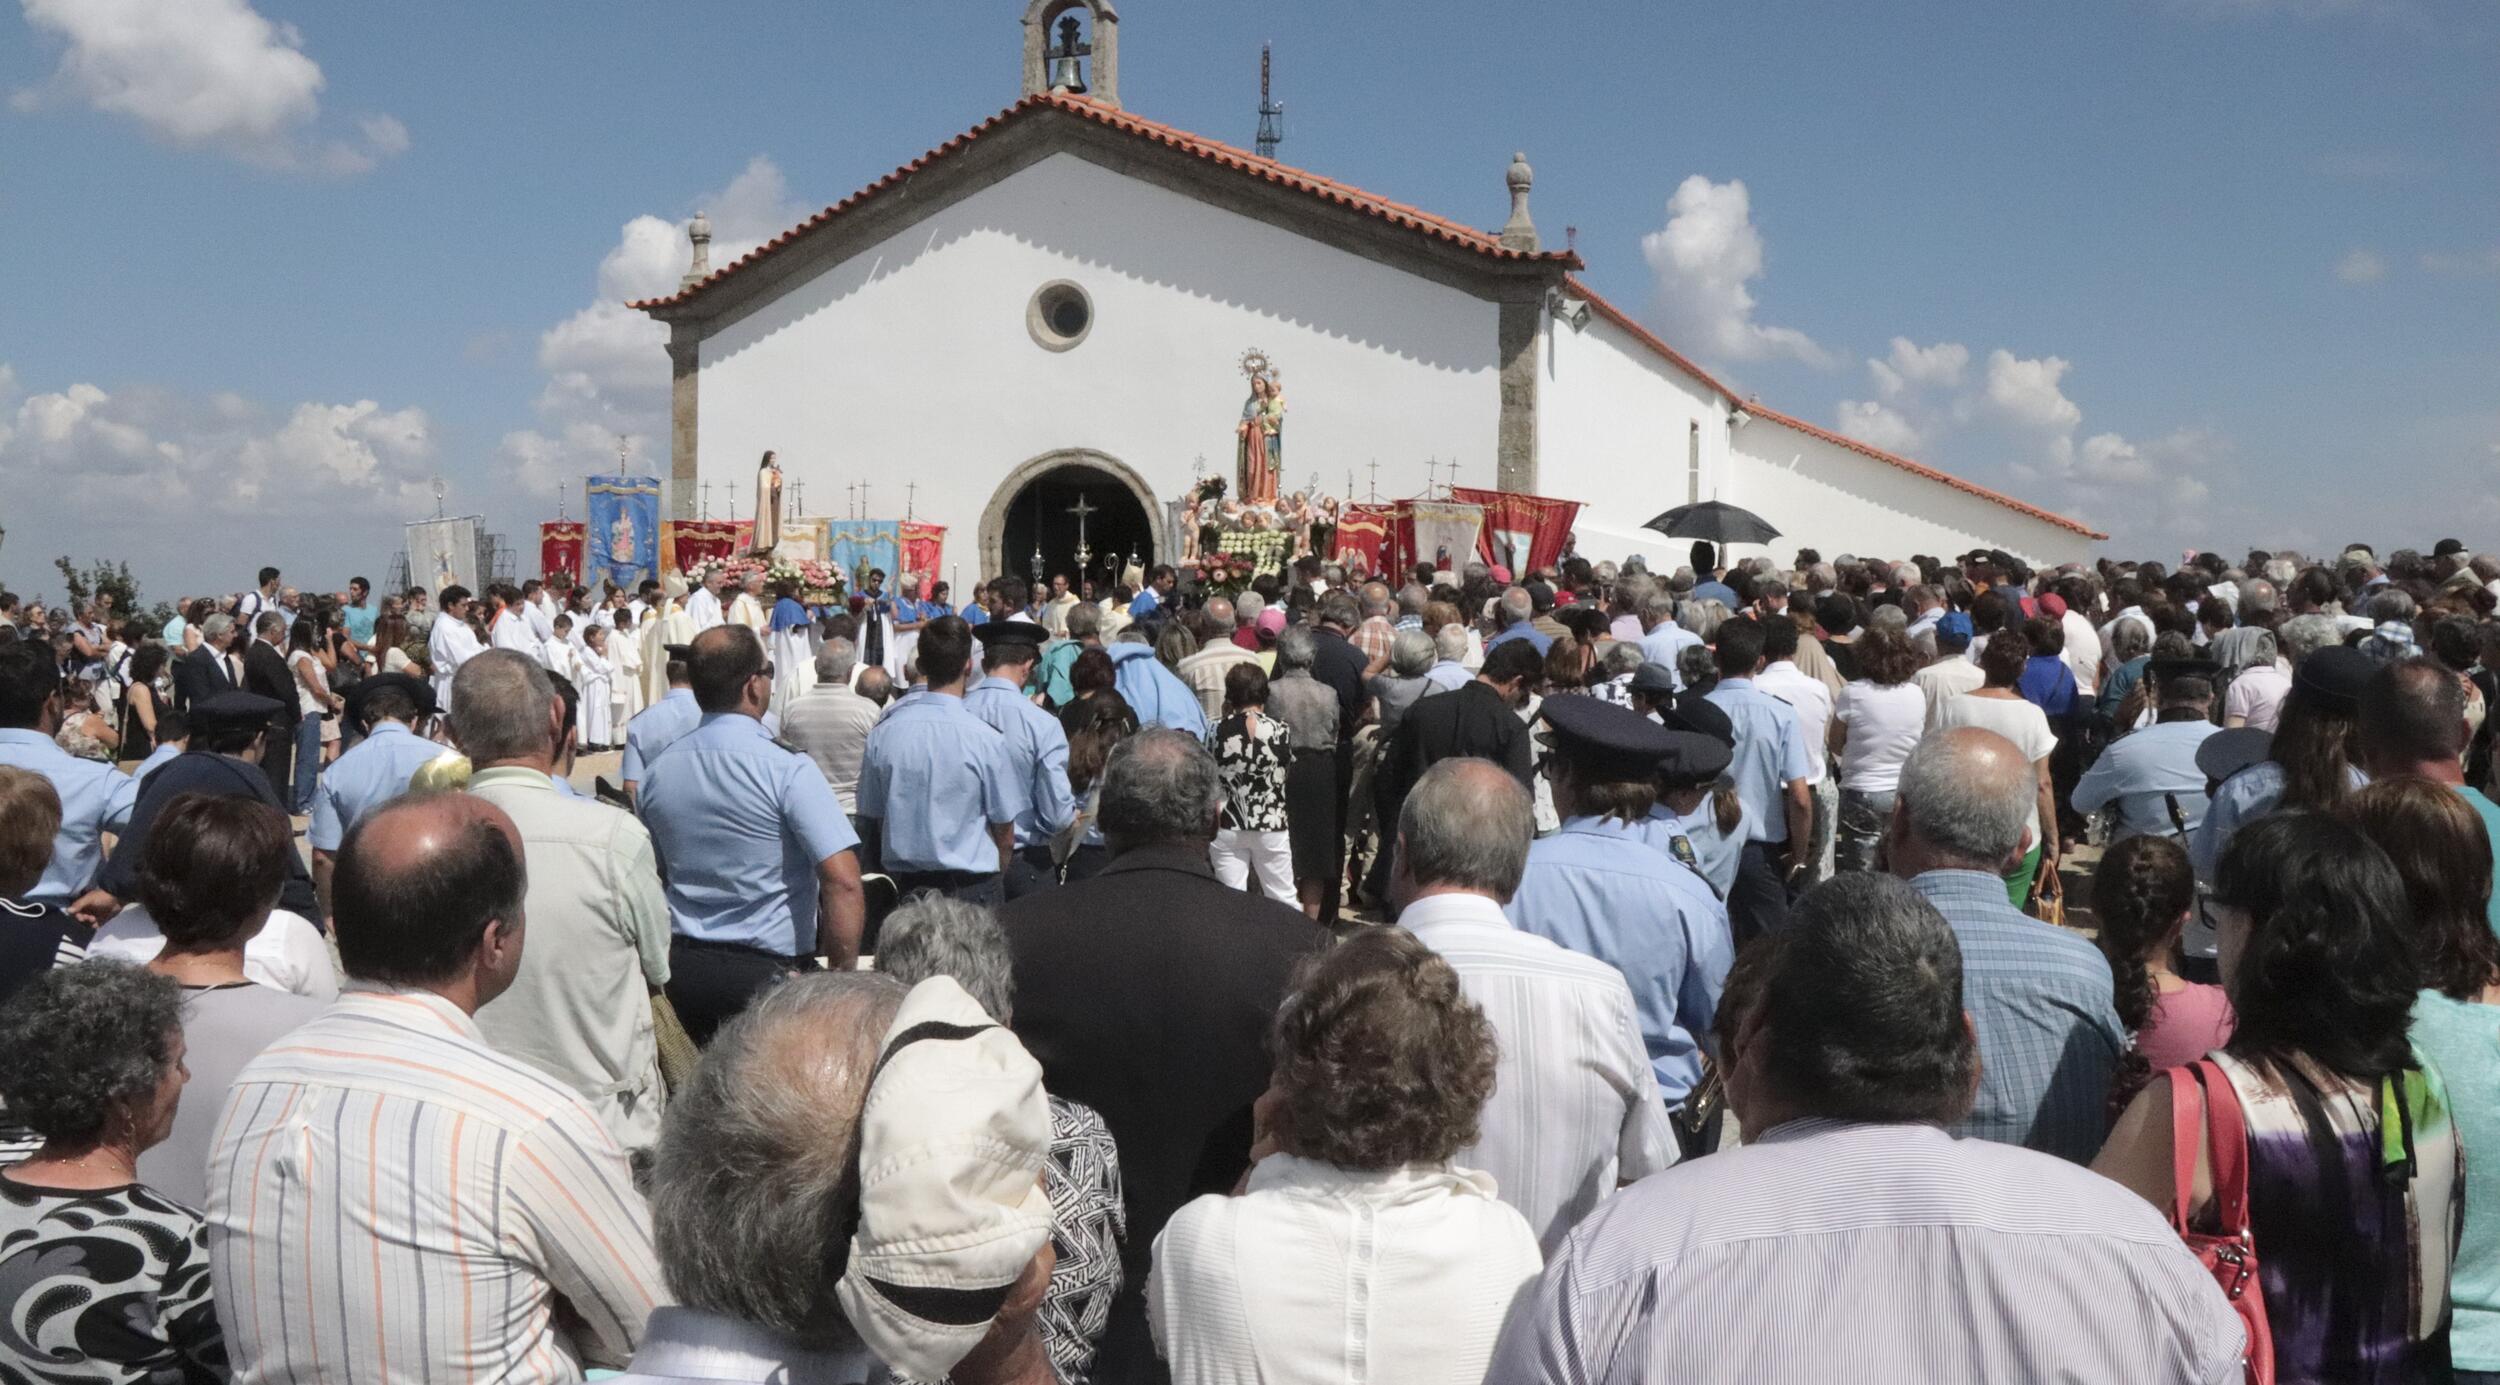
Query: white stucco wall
x=911, y=361
x=1829, y=497
x=1614, y=430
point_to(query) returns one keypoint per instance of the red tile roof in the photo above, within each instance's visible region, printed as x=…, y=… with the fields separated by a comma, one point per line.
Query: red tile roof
x=1345, y=195
x=1622, y=319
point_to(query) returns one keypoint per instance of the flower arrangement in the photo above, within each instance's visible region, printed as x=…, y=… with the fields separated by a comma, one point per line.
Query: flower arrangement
x=820, y=583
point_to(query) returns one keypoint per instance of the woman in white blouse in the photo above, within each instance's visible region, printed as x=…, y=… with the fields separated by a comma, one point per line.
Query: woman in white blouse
x=1356, y=1250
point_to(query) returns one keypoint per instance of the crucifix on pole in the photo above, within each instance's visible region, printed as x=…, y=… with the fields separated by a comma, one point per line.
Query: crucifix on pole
x=706, y=488
x=1375, y=482
x=1084, y=551
x=560, y=515
x=911, y=499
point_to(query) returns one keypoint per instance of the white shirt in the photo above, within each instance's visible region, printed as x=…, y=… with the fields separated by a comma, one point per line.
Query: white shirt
x=540, y=616
x=1327, y=1276
x=2083, y=650
x=448, y=645
x=703, y=608
x=287, y=954
x=1813, y=703
x=512, y=631
x=1885, y=723
x=1946, y=679
x=1575, y=1109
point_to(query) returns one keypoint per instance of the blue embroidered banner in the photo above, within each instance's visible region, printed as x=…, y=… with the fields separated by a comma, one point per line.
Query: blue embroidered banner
x=861, y=544
x=623, y=545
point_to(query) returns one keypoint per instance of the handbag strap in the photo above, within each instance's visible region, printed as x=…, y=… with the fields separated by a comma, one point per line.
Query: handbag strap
x=2227, y=1129
x=2187, y=1123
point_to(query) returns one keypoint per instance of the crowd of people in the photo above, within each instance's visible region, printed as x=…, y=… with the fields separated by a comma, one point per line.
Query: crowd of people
x=1589, y=974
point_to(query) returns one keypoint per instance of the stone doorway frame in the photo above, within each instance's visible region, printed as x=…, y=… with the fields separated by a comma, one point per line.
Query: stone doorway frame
x=994, y=516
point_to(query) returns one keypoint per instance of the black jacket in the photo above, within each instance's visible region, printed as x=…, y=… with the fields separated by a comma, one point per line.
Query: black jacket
x=1472, y=721
x=200, y=674
x=1147, y=993
x=265, y=672
x=220, y=776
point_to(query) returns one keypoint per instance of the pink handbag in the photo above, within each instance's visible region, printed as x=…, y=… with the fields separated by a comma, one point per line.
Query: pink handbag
x=2229, y=1255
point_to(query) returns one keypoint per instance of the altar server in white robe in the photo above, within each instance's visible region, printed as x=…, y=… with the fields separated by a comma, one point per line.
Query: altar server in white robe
x=594, y=678
x=624, y=651
x=669, y=624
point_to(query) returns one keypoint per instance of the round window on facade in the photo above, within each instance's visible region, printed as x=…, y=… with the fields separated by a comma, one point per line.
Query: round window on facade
x=1059, y=316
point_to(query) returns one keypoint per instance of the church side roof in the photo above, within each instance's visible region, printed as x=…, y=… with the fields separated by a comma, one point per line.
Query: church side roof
x=1680, y=361
x=1329, y=190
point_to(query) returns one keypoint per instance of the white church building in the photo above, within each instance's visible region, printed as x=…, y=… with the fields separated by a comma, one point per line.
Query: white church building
x=1050, y=309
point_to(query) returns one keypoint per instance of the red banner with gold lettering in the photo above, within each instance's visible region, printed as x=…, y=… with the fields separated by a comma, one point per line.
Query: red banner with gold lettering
x=924, y=546
x=1364, y=536
x=1521, y=532
x=686, y=542
x=560, y=544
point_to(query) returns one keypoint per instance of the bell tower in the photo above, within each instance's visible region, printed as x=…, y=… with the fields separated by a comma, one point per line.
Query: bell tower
x=1064, y=53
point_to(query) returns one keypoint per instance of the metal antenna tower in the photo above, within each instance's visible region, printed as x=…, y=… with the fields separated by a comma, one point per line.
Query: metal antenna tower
x=1271, y=111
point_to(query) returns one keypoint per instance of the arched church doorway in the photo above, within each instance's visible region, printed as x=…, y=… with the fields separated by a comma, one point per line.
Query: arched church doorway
x=1083, y=513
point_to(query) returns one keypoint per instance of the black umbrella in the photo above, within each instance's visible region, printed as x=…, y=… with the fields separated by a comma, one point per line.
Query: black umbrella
x=1716, y=521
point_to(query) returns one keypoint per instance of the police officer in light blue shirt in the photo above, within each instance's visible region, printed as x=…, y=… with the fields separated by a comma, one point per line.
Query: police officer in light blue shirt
x=1037, y=745
x=378, y=769
x=95, y=798
x=2151, y=774
x=1598, y=888
x=657, y=727
x=1770, y=771
x=1681, y=823
x=938, y=789
x=761, y=863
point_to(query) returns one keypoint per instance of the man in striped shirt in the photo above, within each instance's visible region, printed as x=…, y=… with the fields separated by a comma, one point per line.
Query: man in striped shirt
x=1852, y=1238
x=388, y=1198
x=1575, y=1109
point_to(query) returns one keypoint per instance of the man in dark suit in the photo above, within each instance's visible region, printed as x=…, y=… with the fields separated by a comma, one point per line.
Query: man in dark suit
x=265, y=674
x=1480, y=719
x=202, y=673
x=1147, y=993
x=1337, y=663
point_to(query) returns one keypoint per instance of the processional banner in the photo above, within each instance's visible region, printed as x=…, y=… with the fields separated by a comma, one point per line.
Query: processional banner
x=624, y=537
x=1364, y=536
x=804, y=540
x=687, y=542
x=1440, y=532
x=862, y=544
x=443, y=553
x=1521, y=532
x=560, y=547
x=922, y=545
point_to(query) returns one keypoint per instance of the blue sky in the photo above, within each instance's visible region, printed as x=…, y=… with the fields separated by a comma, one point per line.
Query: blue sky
x=2202, y=271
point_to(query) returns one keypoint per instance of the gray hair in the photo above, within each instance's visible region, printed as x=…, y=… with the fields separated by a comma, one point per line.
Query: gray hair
x=216, y=626
x=1969, y=794
x=2257, y=595
x=835, y=661
x=932, y=935
x=270, y=623
x=1517, y=608
x=79, y=1044
x=1339, y=608
x=1697, y=665
x=2129, y=640
x=2282, y=572
x=1084, y=619
x=1467, y=823
x=1246, y=608
x=1296, y=648
x=2302, y=636
x=1620, y=658
x=1657, y=607
x=1704, y=617
x=753, y=1180
x=1410, y=653
x=1412, y=599
x=2390, y=604
x=1887, y=618
x=1376, y=599
x=1219, y=613
x=499, y=702
x=1862, y=1007
x=1450, y=642
x=1159, y=786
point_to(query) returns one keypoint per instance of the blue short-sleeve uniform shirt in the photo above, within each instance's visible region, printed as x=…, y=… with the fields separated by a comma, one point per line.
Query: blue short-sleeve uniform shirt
x=740, y=823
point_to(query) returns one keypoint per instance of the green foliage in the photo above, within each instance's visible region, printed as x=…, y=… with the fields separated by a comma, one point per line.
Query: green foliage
x=101, y=578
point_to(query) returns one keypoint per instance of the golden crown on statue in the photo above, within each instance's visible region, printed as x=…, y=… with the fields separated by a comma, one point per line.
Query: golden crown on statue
x=1256, y=365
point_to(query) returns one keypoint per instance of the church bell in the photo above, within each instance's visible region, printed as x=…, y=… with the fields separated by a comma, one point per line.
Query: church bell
x=1067, y=70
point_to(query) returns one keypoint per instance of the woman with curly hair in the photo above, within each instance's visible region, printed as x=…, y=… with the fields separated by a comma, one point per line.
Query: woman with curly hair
x=1876, y=722
x=91, y=1058
x=2142, y=893
x=1382, y=1069
x=2354, y=1171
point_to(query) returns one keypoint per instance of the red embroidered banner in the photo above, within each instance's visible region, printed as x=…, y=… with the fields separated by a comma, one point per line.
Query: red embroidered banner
x=1363, y=537
x=560, y=547
x=924, y=545
x=686, y=542
x=1521, y=532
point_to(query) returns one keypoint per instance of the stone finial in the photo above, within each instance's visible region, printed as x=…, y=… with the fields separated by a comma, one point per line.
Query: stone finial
x=699, y=231
x=1519, y=233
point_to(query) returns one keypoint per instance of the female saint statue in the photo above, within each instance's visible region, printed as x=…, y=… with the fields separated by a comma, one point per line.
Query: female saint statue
x=1260, y=450
x=767, y=506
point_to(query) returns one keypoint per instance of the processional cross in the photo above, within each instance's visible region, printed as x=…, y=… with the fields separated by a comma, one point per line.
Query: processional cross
x=1084, y=551
x=706, y=488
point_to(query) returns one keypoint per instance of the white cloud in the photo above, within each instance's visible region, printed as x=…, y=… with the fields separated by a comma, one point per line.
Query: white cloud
x=2361, y=266
x=146, y=453
x=606, y=365
x=1878, y=425
x=2027, y=392
x=1913, y=367
x=203, y=74
x=1703, y=259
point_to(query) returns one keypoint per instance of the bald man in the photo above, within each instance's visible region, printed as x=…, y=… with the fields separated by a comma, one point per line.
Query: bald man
x=2039, y=996
x=471, y=1169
